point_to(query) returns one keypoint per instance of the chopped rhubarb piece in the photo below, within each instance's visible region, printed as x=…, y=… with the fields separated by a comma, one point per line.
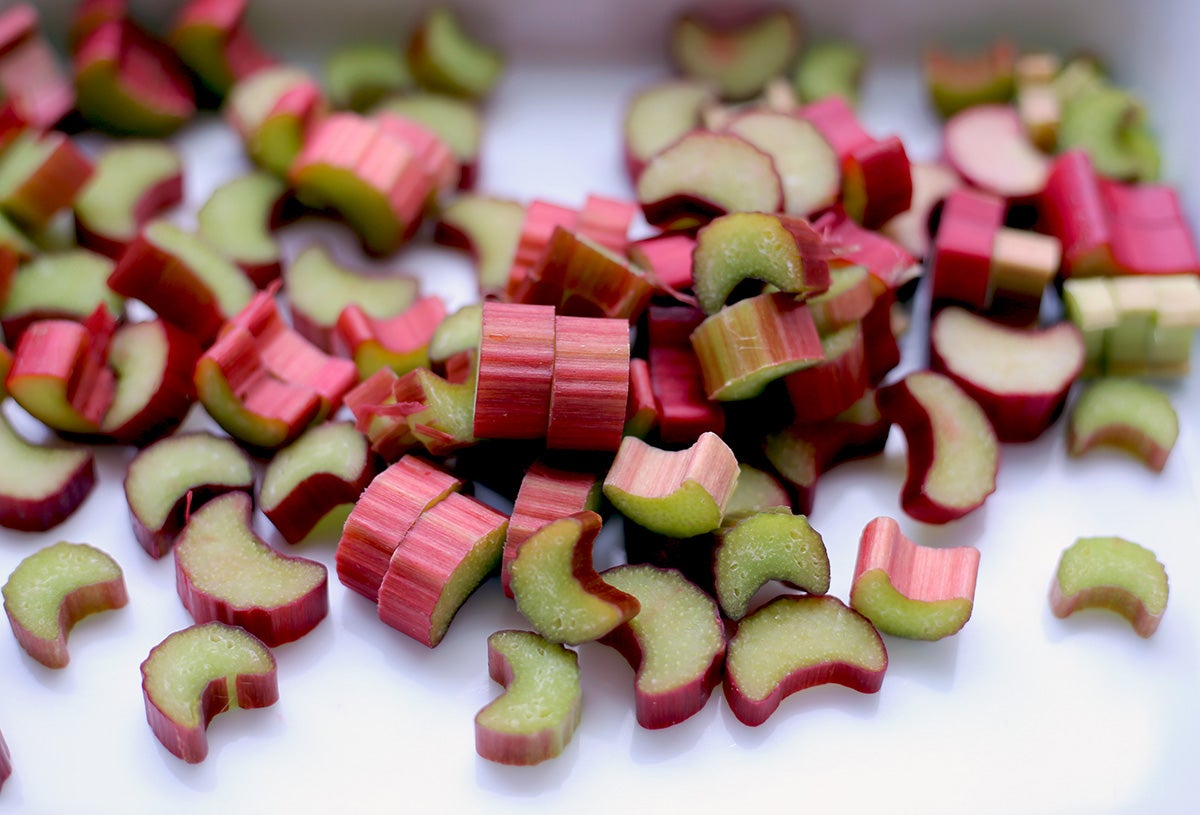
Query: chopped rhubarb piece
x=771, y=545
x=400, y=342
x=174, y=477
x=961, y=266
x=1110, y=125
x=446, y=554
x=41, y=174
x=319, y=288
x=380, y=417
x=535, y=717
x=458, y=123
x=153, y=363
x=53, y=589
x=128, y=83
x=184, y=280
x=793, y=643
x=1114, y=574
x=1088, y=303
x=15, y=245
x=988, y=147
x=440, y=414
x=434, y=155
x=959, y=82
x=90, y=15
x=676, y=493
x=516, y=368
x=932, y=182
x=1020, y=377
x=829, y=68
x=1074, y=211
x=273, y=111
x=490, y=229
x=667, y=257
x=891, y=266
x=58, y=286
x=201, y=671
x=808, y=167
x=445, y=58
x=226, y=573
x=590, y=386
x=237, y=219
x=358, y=76
x=782, y=336
x=536, y=229
x=880, y=335
x=40, y=487
x=557, y=589
x=329, y=466
x=546, y=494
x=1127, y=414
x=737, y=50
x=134, y=182
x=675, y=643
x=684, y=410
x=849, y=298
x=912, y=591
x=212, y=38
x=457, y=333
x=659, y=114
x=382, y=516
x=31, y=78
x=641, y=412
x=1023, y=265
x=825, y=389
x=757, y=491
x=952, y=448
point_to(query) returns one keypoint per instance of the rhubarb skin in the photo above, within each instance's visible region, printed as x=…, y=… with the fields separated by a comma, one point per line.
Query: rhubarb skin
x=273, y=111
x=31, y=78
x=212, y=39
x=824, y=390
x=675, y=644
x=400, y=342
x=446, y=554
x=36, y=504
x=60, y=285
x=804, y=641
x=536, y=716
x=201, y=671
x=41, y=175
x=590, y=386
x=1129, y=415
x=516, y=365
x=53, y=589
x=223, y=570
x=153, y=362
x=912, y=591
x=1114, y=574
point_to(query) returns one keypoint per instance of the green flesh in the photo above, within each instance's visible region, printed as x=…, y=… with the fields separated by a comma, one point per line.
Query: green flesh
x=892, y=613
x=739, y=62
x=358, y=76
x=335, y=448
x=124, y=173
x=685, y=513
x=41, y=582
x=829, y=69
x=72, y=283
x=319, y=287
x=544, y=693
x=237, y=218
x=165, y=471
x=1108, y=404
x=1111, y=562
x=32, y=472
x=458, y=332
x=768, y=546
x=493, y=227
x=744, y=246
x=138, y=357
x=456, y=64
x=455, y=121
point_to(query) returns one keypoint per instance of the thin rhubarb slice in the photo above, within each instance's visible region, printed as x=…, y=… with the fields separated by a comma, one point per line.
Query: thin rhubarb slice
x=237, y=219
x=487, y=227
x=590, y=387
x=134, y=182
x=659, y=114
x=201, y=671
x=912, y=591
x=557, y=588
x=681, y=493
x=40, y=487
x=226, y=573
x=360, y=75
x=988, y=147
x=326, y=468
x=58, y=286
x=829, y=68
x=516, y=367
x=675, y=643
x=446, y=554
x=960, y=81
x=1115, y=574
x=737, y=50
x=536, y=716
x=1126, y=414
x=153, y=363
x=772, y=545
x=445, y=58
x=53, y=589
x=174, y=477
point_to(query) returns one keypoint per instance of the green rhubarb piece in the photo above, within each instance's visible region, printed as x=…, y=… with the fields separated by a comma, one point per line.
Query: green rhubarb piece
x=271, y=141
x=444, y=58
x=23, y=156
x=455, y=121
x=237, y=218
x=358, y=76
x=1112, y=573
x=893, y=613
x=125, y=172
x=740, y=58
x=1127, y=414
x=772, y=545
x=1110, y=125
x=333, y=448
x=491, y=229
x=459, y=332
x=1088, y=303
x=831, y=68
x=448, y=420
x=68, y=283
x=320, y=287
x=231, y=289
x=39, y=486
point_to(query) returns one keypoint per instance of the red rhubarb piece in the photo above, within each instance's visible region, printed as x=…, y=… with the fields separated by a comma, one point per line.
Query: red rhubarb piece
x=153, y=363
x=273, y=111
x=684, y=410
x=40, y=175
x=516, y=368
x=400, y=342
x=667, y=257
x=989, y=148
x=30, y=74
x=40, y=487
x=961, y=265
x=212, y=38
x=825, y=389
x=1073, y=210
x=133, y=183
x=590, y=386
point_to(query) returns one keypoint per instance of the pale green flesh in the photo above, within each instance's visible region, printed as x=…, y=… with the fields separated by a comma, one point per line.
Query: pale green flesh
x=45, y=399
x=544, y=692
x=677, y=627
x=1092, y=563
x=230, y=287
x=363, y=206
x=19, y=161
x=1142, y=408
x=756, y=491
x=788, y=636
x=965, y=450
x=237, y=218
x=223, y=558
x=30, y=472
x=493, y=226
x=106, y=102
x=768, y=546
x=36, y=589
x=138, y=356
x=276, y=144
x=253, y=97
x=892, y=613
x=1109, y=125
x=548, y=594
x=455, y=121
x=793, y=457
x=685, y=513
x=483, y=559
x=744, y=246
x=740, y=63
x=466, y=66
x=458, y=332
x=663, y=113
x=321, y=288
x=72, y=282
x=178, y=671
x=124, y=173
x=360, y=75
x=202, y=48
x=228, y=410
x=334, y=448
x=164, y=472
x=451, y=407
x=830, y=69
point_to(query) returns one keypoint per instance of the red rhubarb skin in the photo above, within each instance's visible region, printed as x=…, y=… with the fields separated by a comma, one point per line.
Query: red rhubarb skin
x=153, y=201
x=668, y=257
x=48, y=511
x=225, y=22
x=157, y=542
x=313, y=498
x=1112, y=598
x=590, y=386
x=1123, y=436
x=641, y=414
x=30, y=75
x=191, y=743
x=882, y=349
x=1072, y=209
x=606, y=221
x=961, y=265
x=888, y=262
x=53, y=185
x=883, y=170
x=824, y=390
x=73, y=355
x=754, y=712
x=103, y=596
x=546, y=494
x=541, y=219
x=838, y=124
x=921, y=573
x=516, y=369
x=684, y=410
x=164, y=409
x=977, y=168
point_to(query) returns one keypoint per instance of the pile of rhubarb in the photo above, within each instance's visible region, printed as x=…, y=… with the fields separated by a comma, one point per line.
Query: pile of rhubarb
x=685, y=361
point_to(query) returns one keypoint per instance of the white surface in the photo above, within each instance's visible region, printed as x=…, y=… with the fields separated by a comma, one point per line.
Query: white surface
x=1020, y=713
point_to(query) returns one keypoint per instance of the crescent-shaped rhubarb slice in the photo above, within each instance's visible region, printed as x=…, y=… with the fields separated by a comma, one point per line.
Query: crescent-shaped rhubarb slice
x=773, y=545
x=134, y=181
x=40, y=486
x=1126, y=414
x=53, y=589
x=1115, y=574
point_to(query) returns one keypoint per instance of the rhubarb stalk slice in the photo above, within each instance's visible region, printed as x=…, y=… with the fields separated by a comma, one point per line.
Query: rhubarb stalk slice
x=400, y=342
x=66, y=285
x=134, y=182
x=40, y=487
x=153, y=363
x=445, y=58
x=1115, y=574
x=737, y=50
x=1126, y=414
x=40, y=175
x=212, y=38
x=590, y=386
x=237, y=219
x=773, y=545
x=516, y=367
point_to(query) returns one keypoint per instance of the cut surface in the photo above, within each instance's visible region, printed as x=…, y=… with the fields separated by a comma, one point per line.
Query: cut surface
x=768, y=546
x=660, y=114
x=1112, y=573
x=68, y=284
x=129, y=177
x=988, y=146
x=237, y=220
x=808, y=166
x=1127, y=414
x=334, y=448
x=737, y=55
x=1006, y=360
x=40, y=486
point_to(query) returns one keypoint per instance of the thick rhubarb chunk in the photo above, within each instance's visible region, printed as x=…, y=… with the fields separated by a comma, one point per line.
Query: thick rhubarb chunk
x=40, y=487
x=1127, y=414
x=212, y=38
x=516, y=368
x=989, y=148
x=535, y=717
x=153, y=363
x=590, y=387
x=53, y=589
x=41, y=174
x=273, y=111
x=774, y=545
x=1114, y=574
x=201, y=671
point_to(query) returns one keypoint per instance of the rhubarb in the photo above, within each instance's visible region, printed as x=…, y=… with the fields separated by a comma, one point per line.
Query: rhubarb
x=1114, y=574
x=58, y=286
x=237, y=219
x=445, y=58
x=738, y=51
x=212, y=38
x=772, y=545
x=400, y=342
x=590, y=385
x=134, y=182
x=40, y=487
x=273, y=111
x=516, y=368
x=153, y=363
x=1126, y=414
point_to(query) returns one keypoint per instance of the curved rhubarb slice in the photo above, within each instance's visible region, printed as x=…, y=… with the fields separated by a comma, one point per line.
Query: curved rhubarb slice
x=53, y=589
x=989, y=148
x=457, y=122
x=675, y=643
x=774, y=545
x=58, y=286
x=237, y=220
x=952, y=450
x=557, y=589
x=175, y=476
x=1110, y=125
x=32, y=82
x=360, y=75
x=957, y=82
x=848, y=300
x=703, y=175
x=40, y=174
x=226, y=573
x=457, y=334
x=329, y=466
x=1126, y=414
x=1115, y=574
x=212, y=38
x=445, y=58
x=153, y=363
x=513, y=384
x=1020, y=377
x=808, y=166
x=441, y=560
x=400, y=342
x=40, y=487
x=778, y=249
x=757, y=491
x=273, y=111
x=793, y=643
x=737, y=51
x=829, y=68
x=134, y=182
x=912, y=591
x=931, y=183
x=201, y=671
x=681, y=493
x=487, y=227
x=659, y=114
x=535, y=717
